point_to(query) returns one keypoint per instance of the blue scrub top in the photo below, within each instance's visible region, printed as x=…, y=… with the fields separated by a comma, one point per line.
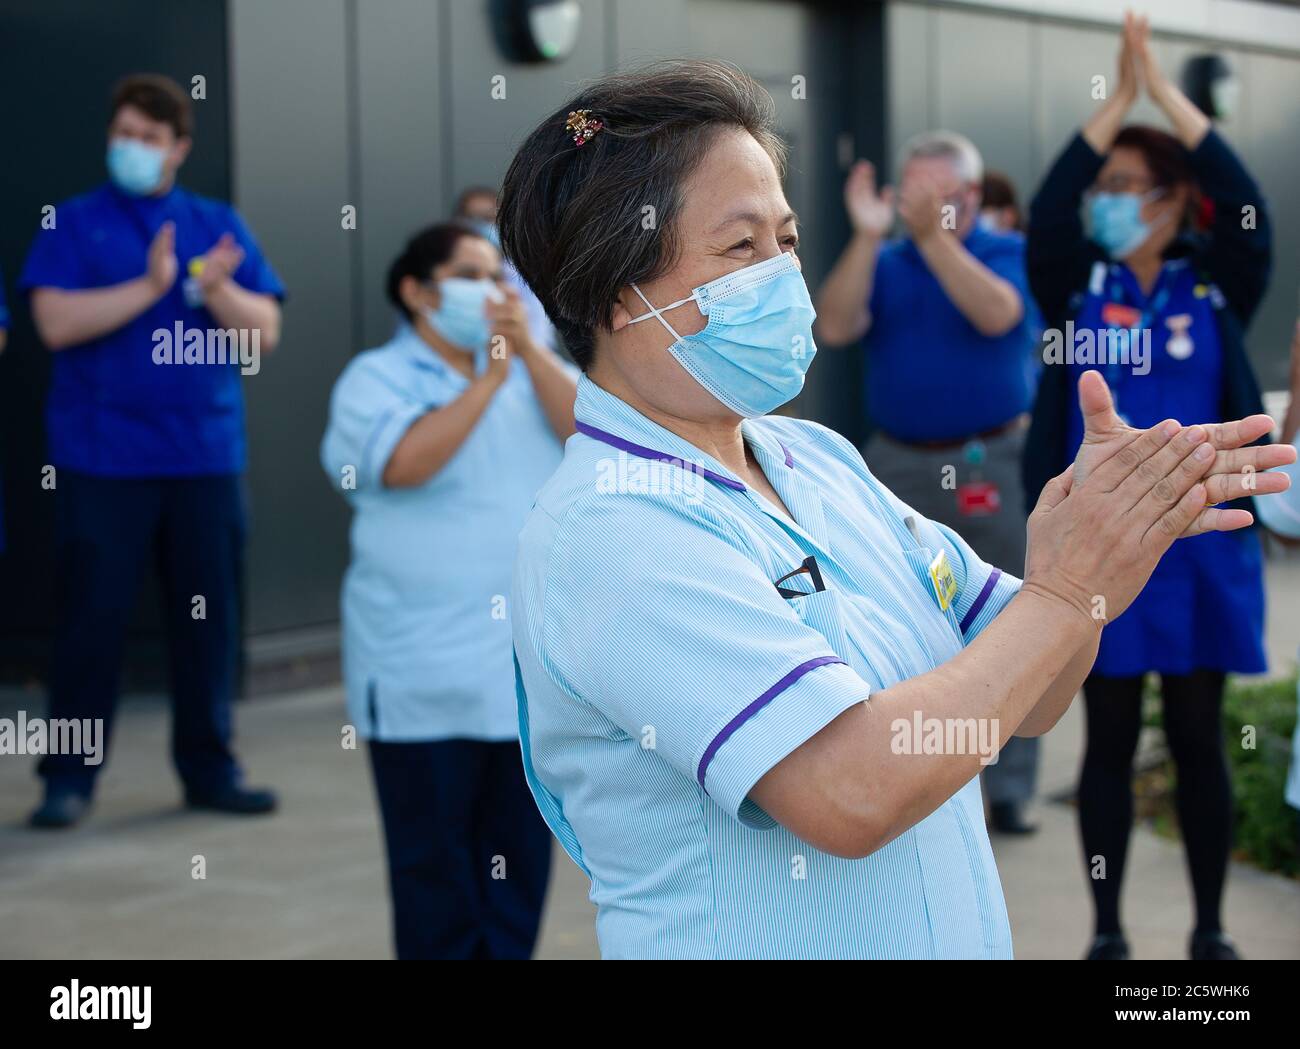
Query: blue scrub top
x=1203, y=608
x=931, y=376
x=112, y=411
x=426, y=617
x=661, y=675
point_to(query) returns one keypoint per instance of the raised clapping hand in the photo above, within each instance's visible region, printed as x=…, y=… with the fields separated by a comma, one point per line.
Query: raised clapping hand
x=220, y=262
x=870, y=212
x=1102, y=525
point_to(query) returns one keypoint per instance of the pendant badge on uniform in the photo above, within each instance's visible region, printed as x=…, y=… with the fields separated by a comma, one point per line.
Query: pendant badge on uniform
x=977, y=497
x=941, y=578
x=192, y=290
x=1179, y=346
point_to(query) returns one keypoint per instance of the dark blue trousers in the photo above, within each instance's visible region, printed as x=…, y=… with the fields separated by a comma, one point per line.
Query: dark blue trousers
x=469, y=855
x=108, y=531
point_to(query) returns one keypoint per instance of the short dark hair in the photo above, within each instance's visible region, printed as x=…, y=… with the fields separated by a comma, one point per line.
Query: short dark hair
x=999, y=191
x=572, y=216
x=1168, y=160
x=158, y=97
x=430, y=247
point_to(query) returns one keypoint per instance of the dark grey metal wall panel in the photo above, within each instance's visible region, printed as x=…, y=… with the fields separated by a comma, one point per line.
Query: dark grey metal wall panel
x=910, y=107
x=399, y=146
x=289, y=67
x=982, y=94
x=1270, y=125
x=644, y=31
x=483, y=130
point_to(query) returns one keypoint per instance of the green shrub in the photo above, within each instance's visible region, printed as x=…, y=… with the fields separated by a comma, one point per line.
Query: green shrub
x=1265, y=826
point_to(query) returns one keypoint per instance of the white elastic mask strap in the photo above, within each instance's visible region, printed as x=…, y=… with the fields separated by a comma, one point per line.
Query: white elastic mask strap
x=659, y=313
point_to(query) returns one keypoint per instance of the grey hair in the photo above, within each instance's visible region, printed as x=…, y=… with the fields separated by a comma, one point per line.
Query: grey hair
x=949, y=145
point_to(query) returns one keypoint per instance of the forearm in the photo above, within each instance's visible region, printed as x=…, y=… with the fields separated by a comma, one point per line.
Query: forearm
x=1061, y=692
x=235, y=307
x=556, y=391
x=1190, y=124
x=991, y=303
x=853, y=788
x=70, y=318
x=842, y=313
x=1101, y=128
x=436, y=436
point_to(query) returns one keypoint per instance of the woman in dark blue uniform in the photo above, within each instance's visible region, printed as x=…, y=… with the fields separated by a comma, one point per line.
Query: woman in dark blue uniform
x=1157, y=298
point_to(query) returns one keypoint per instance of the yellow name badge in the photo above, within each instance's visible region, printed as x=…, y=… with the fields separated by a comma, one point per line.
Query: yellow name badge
x=941, y=578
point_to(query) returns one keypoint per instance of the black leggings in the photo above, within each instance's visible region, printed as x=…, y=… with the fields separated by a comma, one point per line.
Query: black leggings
x=1193, y=728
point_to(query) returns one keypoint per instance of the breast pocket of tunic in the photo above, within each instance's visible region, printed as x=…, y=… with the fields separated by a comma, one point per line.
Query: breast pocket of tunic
x=822, y=612
x=829, y=613
x=947, y=638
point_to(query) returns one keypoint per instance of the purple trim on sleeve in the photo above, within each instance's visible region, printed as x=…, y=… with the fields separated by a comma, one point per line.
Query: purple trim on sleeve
x=789, y=459
x=729, y=729
x=981, y=599
x=650, y=453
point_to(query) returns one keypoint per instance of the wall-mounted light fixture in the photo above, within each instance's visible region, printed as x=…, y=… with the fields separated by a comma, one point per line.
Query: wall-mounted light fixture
x=539, y=30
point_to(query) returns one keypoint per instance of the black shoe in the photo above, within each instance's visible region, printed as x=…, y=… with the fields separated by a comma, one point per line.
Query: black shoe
x=60, y=809
x=1108, y=947
x=238, y=800
x=1007, y=817
x=1212, y=947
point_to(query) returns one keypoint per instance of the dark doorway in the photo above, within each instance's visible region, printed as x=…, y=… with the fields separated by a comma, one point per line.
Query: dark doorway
x=59, y=60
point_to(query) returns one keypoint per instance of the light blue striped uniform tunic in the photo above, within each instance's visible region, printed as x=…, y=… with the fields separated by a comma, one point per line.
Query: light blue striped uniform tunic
x=660, y=675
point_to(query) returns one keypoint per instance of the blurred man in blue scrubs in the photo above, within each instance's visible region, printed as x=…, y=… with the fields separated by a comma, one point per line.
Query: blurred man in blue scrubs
x=945, y=316
x=152, y=300
x=440, y=439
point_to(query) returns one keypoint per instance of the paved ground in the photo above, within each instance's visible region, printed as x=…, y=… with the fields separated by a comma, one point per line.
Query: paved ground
x=309, y=882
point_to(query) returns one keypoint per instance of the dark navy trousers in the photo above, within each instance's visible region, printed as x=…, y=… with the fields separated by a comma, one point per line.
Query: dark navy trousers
x=469, y=855
x=108, y=533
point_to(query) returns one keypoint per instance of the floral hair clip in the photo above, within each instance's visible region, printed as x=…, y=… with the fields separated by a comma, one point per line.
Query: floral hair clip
x=582, y=126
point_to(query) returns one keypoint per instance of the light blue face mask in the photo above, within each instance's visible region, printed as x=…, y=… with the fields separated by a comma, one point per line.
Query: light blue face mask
x=754, y=352
x=460, y=316
x=134, y=167
x=488, y=231
x=1116, y=220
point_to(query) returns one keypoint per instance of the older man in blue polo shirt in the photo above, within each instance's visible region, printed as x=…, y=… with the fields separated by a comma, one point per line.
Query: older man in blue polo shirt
x=153, y=301
x=944, y=318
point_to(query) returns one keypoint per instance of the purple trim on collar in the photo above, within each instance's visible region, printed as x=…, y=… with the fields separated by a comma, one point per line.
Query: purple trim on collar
x=650, y=453
x=729, y=729
x=789, y=459
x=981, y=599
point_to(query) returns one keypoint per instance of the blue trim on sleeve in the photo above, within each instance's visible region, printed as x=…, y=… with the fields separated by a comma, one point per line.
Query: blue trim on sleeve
x=729, y=729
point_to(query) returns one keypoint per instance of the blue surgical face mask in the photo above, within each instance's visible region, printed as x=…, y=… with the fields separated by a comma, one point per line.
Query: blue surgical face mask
x=1116, y=220
x=754, y=352
x=460, y=317
x=134, y=167
x=488, y=231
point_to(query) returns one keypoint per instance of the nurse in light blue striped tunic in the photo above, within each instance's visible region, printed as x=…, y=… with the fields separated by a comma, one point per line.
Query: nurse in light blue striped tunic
x=665, y=674
x=756, y=689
